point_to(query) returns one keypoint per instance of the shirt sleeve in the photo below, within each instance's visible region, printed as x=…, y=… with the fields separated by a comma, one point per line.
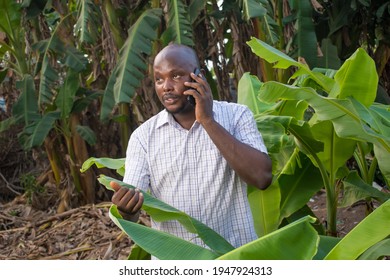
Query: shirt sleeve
x=136, y=165
x=246, y=130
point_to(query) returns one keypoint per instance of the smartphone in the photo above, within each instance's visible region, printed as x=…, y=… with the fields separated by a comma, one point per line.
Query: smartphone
x=190, y=98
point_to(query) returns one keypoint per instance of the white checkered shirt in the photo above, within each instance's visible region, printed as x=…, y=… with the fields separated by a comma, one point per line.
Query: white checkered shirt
x=186, y=170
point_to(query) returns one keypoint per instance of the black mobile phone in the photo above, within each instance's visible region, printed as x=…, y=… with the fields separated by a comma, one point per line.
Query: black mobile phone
x=190, y=98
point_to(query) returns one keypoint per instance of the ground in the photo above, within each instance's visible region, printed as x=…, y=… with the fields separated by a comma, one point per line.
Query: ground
x=88, y=232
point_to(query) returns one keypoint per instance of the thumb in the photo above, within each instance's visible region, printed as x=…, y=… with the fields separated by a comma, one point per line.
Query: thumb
x=115, y=186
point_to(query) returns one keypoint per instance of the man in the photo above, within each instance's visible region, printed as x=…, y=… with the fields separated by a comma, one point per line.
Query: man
x=198, y=158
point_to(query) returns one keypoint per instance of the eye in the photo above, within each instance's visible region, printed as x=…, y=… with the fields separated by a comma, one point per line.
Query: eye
x=176, y=76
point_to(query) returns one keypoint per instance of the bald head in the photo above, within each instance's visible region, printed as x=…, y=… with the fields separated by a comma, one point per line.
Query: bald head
x=179, y=54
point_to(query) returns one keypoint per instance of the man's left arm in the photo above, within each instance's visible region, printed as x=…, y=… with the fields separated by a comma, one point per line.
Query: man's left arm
x=252, y=165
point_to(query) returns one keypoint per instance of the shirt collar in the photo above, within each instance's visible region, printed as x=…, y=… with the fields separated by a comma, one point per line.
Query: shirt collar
x=163, y=118
x=166, y=118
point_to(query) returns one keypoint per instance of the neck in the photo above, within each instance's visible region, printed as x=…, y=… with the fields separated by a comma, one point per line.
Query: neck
x=185, y=119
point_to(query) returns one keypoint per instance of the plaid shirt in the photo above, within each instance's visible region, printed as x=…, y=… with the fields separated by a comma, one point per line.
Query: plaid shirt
x=186, y=170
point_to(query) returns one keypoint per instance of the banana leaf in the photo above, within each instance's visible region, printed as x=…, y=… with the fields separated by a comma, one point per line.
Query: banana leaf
x=26, y=106
x=296, y=241
x=346, y=116
x=88, y=18
x=306, y=35
x=326, y=245
x=264, y=205
x=132, y=63
x=179, y=29
x=10, y=17
x=67, y=93
x=161, y=244
x=378, y=251
x=283, y=61
x=371, y=230
x=360, y=64
x=356, y=189
x=117, y=164
x=87, y=134
x=160, y=211
x=297, y=188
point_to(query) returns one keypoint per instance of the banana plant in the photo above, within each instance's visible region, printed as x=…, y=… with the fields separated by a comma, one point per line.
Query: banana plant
x=298, y=240
x=50, y=113
x=327, y=119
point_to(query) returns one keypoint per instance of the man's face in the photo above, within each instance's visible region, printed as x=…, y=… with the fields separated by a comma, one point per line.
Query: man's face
x=171, y=69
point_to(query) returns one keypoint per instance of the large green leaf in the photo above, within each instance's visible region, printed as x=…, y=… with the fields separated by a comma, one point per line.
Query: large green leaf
x=336, y=150
x=329, y=58
x=87, y=134
x=283, y=61
x=117, y=164
x=179, y=28
x=195, y=8
x=294, y=187
x=378, y=251
x=75, y=59
x=160, y=211
x=306, y=36
x=48, y=77
x=55, y=50
x=296, y=241
x=347, y=118
x=261, y=9
x=252, y=8
x=358, y=78
x=161, y=244
x=326, y=245
x=42, y=129
x=88, y=19
x=26, y=106
x=247, y=91
x=10, y=17
x=132, y=61
x=108, y=102
x=356, y=189
x=371, y=230
x=265, y=208
x=67, y=93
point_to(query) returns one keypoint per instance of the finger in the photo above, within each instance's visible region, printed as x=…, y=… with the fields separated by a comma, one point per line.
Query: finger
x=119, y=195
x=127, y=197
x=138, y=206
x=115, y=186
x=198, y=78
x=133, y=202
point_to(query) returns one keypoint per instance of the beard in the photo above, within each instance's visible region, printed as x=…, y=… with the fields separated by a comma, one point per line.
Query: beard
x=184, y=107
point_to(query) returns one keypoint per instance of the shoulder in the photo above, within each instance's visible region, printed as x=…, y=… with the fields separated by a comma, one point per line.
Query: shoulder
x=229, y=106
x=230, y=110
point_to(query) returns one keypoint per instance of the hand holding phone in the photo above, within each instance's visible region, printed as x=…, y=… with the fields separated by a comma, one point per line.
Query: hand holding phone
x=190, y=98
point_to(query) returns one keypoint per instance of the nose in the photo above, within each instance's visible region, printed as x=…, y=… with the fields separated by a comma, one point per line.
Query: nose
x=167, y=85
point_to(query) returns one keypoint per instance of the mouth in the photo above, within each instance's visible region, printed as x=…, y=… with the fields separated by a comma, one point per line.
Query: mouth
x=170, y=99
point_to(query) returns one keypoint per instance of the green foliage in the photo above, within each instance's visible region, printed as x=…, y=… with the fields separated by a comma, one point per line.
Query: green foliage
x=132, y=57
x=179, y=28
x=342, y=115
x=88, y=18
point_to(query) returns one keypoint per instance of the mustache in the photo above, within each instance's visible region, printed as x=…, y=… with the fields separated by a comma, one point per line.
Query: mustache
x=170, y=95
